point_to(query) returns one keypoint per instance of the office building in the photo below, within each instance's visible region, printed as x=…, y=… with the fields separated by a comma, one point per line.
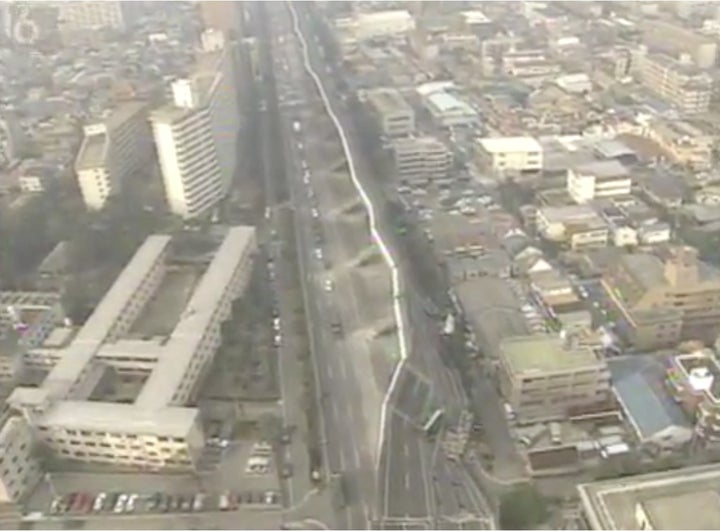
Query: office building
x=394, y=116
x=20, y=468
x=510, y=154
x=694, y=382
x=155, y=429
x=222, y=16
x=420, y=159
x=675, y=40
x=91, y=15
x=544, y=377
x=661, y=302
x=598, y=180
x=683, y=85
x=111, y=151
x=196, y=136
x=683, y=498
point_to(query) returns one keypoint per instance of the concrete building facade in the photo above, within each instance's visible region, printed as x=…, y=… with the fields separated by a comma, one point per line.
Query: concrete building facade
x=694, y=382
x=421, y=159
x=597, y=180
x=20, y=468
x=510, y=154
x=394, y=116
x=544, y=377
x=684, y=85
x=157, y=430
x=660, y=302
x=111, y=151
x=684, y=143
x=196, y=136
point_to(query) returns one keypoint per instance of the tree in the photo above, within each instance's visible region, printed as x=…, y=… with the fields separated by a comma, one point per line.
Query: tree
x=523, y=508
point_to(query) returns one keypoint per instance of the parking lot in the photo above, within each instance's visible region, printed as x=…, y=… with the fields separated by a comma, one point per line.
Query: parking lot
x=83, y=503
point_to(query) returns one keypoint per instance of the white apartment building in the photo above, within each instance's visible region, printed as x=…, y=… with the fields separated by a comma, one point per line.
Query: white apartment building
x=395, y=117
x=597, y=180
x=20, y=468
x=91, y=15
x=111, y=151
x=510, y=154
x=196, y=137
x=419, y=159
x=157, y=430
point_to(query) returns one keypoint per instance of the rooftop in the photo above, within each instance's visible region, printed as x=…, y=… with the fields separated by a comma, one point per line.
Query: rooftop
x=445, y=102
x=687, y=495
x=92, y=152
x=604, y=169
x=507, y=144
x=693, y=510
x=639, y=384
x=537, y=353
x=702, y=371
x=180, y=349
x=387, y=101
x=108, y=416
x=569, y=214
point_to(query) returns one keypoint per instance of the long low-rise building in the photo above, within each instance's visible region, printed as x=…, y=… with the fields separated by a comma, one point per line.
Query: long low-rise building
x=157, y=430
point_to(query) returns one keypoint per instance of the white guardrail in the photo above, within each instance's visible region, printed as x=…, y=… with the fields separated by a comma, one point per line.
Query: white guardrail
x=394, y=273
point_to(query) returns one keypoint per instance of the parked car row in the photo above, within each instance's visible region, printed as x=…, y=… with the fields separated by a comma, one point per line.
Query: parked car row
x=158, y=502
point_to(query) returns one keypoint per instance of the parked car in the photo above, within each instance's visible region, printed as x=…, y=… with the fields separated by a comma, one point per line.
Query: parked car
x=99, y=502
x=130, y=505
x=120, y=504
x=198, y=502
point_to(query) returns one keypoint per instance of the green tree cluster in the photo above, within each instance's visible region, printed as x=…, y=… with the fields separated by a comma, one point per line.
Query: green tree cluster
x=523, y=508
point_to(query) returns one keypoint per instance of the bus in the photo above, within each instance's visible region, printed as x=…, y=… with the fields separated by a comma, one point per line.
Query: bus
x=432, y=424
x=449, y=327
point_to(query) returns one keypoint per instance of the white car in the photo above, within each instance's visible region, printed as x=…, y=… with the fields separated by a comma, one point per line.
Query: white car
x=315, y=213
x=328, y=286
x=120, y=504
x=276, y=324
x=318, y=253
x=130, y=505
x=278, y=340
x=99, y=501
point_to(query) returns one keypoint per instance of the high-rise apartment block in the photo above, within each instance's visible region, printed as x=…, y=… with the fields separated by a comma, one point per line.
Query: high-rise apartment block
x=196, y=135
x=111, y=151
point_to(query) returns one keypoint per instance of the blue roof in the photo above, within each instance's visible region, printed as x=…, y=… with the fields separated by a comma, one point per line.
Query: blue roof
x=640, y=388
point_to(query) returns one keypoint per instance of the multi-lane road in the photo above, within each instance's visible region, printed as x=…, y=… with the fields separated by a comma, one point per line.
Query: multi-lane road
x=331, y=239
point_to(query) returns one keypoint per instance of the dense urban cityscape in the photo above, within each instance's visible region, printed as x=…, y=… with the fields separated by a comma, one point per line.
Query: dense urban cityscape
x=359, y=265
